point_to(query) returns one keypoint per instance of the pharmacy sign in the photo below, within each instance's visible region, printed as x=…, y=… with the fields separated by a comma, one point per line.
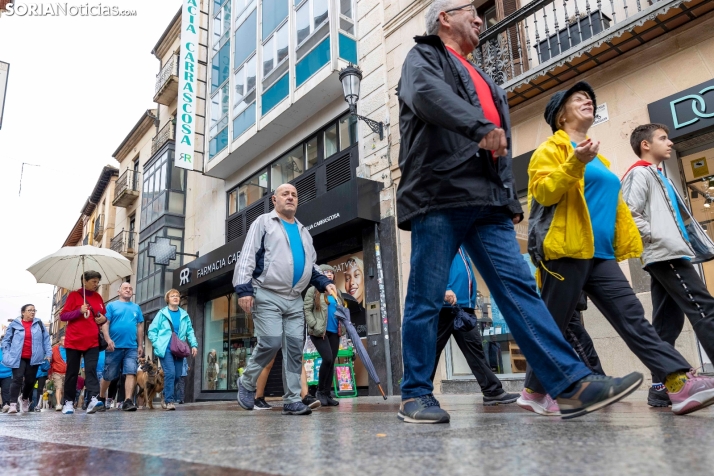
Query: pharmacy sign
x=188, y=72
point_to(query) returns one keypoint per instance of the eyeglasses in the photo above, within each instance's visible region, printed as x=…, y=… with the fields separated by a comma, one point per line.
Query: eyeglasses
x=30, y=310
x=468, y=5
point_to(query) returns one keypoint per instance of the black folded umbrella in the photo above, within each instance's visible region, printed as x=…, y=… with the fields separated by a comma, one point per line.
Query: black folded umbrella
x=343, y=315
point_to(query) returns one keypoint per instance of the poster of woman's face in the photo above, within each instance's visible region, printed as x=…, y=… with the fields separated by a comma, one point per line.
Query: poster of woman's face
x=349, y=275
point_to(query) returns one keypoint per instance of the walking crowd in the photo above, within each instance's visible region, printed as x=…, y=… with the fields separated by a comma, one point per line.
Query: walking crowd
x=457, y=197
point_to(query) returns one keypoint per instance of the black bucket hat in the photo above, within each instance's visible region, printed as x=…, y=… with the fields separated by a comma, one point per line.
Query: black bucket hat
x=559, y=98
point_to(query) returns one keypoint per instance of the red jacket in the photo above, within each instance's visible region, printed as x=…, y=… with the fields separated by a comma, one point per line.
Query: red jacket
x=81, y=333
x=58, y=364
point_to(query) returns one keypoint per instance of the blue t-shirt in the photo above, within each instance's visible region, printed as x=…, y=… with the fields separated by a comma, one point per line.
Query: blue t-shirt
x=123, y=318
x=296, y=247
x=602, y=193
x=673, y=199
x=331, y=319
x=176, y=319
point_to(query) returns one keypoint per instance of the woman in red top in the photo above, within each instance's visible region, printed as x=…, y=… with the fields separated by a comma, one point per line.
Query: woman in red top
x=82, y=339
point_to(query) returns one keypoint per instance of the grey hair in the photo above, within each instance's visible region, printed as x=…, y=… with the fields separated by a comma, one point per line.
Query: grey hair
x=432, y=15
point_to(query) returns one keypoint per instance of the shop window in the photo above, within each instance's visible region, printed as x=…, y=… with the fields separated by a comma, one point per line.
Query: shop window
x=287, y=168
x=311, y=152
x=246, y=39
x=243, y=121
x=253, y=189
x=228, y=343
x=330, y=140
x=309, y=16
x=348, y=131
x=219, y=110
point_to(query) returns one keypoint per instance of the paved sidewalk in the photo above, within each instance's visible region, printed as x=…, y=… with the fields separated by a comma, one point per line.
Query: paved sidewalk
x=360, y=437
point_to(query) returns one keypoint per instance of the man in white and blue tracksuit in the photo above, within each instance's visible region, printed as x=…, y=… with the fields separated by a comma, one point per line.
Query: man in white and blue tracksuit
x=277, y=263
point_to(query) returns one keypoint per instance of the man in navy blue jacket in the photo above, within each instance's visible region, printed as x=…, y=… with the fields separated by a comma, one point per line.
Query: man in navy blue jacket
x=462, y=292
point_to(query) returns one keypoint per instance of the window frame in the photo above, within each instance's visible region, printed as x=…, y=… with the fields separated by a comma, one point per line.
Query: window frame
x=313, y=27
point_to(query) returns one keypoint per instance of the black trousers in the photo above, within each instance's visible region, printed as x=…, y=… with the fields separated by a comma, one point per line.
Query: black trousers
x=91, y=382
x=677, y=290
x=5, y=385
x=472, y=347
x=606, y=286
x=29, y=374
x=581, y=341
x=327, y=348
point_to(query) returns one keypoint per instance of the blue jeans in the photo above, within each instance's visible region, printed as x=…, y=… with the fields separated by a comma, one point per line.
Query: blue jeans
x=488, y=235
x=172, y=375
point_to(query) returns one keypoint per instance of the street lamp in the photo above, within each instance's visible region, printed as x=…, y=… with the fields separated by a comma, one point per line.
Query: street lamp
x=350, y=77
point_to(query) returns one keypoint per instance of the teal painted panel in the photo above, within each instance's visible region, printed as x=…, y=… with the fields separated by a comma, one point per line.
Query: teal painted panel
x=348, y=49
x=218, y=143
x=276, y=93
x=312, y=62
x=243, y=121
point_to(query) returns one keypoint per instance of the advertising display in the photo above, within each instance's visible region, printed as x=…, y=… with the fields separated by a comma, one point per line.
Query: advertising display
x=349, y=279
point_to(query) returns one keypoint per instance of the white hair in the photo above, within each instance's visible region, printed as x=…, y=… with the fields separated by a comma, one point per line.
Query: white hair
x=432, y=15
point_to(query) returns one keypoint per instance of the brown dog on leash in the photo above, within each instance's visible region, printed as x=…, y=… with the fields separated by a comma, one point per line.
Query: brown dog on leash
x=150, y=379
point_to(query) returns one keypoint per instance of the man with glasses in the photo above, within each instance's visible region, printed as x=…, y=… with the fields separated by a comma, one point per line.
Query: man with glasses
x=456, y=189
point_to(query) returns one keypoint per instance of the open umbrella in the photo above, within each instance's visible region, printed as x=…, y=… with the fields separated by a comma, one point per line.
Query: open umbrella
x=343, y=315
x=65, y=267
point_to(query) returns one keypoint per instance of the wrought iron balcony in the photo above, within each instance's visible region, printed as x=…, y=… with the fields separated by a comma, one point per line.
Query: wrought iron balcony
x=547, y=42
x=98, y=227
x=125, y=244
x=126, y=189
x=166, y=89
x=166, y=134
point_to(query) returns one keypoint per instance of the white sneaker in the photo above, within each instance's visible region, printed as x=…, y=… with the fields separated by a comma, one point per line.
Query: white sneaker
x=58, y=407
x=68, y=408
x=13, y=408
x=23, y=405
x=5, y=408
x=110, y=403
x=95, y=406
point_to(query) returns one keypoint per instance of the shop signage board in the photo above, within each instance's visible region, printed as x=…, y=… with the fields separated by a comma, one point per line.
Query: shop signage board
x=187, y=98
x=4, y=70
x=601, y=114
x=686, y=113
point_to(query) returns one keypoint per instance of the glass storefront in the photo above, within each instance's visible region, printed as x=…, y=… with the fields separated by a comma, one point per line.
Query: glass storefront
x=228, y=343
x=502, y=352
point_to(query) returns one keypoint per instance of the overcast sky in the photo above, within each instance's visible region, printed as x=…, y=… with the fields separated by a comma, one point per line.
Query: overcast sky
x=77, y=85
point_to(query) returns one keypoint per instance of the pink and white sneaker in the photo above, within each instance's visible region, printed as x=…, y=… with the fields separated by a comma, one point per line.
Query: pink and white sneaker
x=539, y=403
x=696, y=394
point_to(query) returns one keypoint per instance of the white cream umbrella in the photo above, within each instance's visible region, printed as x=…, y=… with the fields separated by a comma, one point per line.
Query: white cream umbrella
x=65, y=267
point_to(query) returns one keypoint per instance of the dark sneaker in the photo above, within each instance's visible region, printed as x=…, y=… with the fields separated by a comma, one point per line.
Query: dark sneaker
x=261, y=404
x=128, y=406
x=296, y=408
x=424, y=409
x=322, y=397
x=595, y=392
x=246, y=398
x=502, y=399
x=311, y=401
x=658, y=398
x=331, y=402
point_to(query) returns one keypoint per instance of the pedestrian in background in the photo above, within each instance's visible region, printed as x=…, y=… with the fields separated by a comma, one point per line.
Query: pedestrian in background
x=171, y=319
x=671, y=248
x=180, y=391
x=461, y=291
x=325, y=334
x=58, y=370
x=26, y=345
x=82, y=340
x=272, y=294
x=124, y=333
x=5, y=383
x=572, y=188
x=42, y=372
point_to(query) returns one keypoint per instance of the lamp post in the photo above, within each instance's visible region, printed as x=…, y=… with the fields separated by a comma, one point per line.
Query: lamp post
x=351, y=77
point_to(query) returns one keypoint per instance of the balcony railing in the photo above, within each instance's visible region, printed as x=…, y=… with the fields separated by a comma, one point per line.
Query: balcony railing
x=85, y=241
x=166, y=88
x=126, y=190
x=98, y=227
x=125, y=244
x=547, y=42
x=166, y=134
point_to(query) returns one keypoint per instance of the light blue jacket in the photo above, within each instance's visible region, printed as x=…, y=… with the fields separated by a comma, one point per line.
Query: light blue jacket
x=160, y=331
x=15, y=338
x=5, y=371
